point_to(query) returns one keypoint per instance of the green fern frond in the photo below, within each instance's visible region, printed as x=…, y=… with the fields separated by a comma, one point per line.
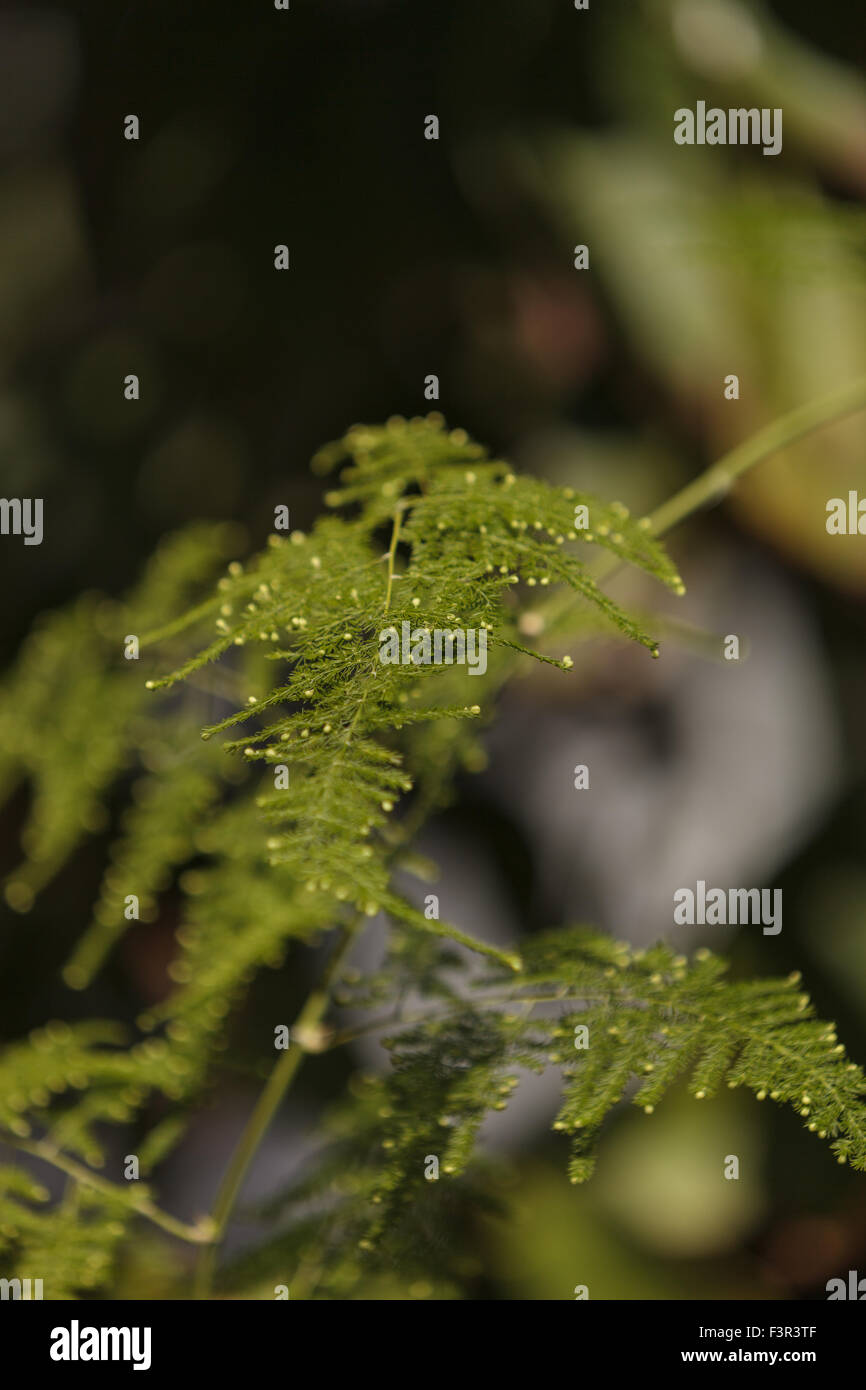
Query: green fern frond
x=341, y=757
x=72, y=713
x=157, y=836
x=651, y=1020
x=66, y=1079
x=71, y=1246
x=320, y=603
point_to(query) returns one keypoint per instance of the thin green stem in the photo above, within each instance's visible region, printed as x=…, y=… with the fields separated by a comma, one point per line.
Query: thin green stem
x=712, y=485
x=303, y=1040
x=142, y=1205
x=715, y=482
x=392, y=554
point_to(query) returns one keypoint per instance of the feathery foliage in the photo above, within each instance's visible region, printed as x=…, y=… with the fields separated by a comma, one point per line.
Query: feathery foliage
x=283, y=821
x=618, y=1024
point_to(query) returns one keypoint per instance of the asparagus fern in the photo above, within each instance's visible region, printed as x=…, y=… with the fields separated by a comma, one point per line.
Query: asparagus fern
x=288, y=819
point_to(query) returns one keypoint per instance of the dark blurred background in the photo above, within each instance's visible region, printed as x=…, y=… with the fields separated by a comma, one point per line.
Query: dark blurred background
x=411, y=257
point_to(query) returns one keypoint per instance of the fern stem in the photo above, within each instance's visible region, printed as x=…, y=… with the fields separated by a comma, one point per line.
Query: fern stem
x=715, y=482
x=392, y=553
x=275, y=1089
x=143, y=1206
x=712, y=485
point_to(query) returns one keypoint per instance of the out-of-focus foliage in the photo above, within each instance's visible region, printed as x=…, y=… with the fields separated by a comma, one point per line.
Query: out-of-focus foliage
x=369, y=1200
x=717, y=261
